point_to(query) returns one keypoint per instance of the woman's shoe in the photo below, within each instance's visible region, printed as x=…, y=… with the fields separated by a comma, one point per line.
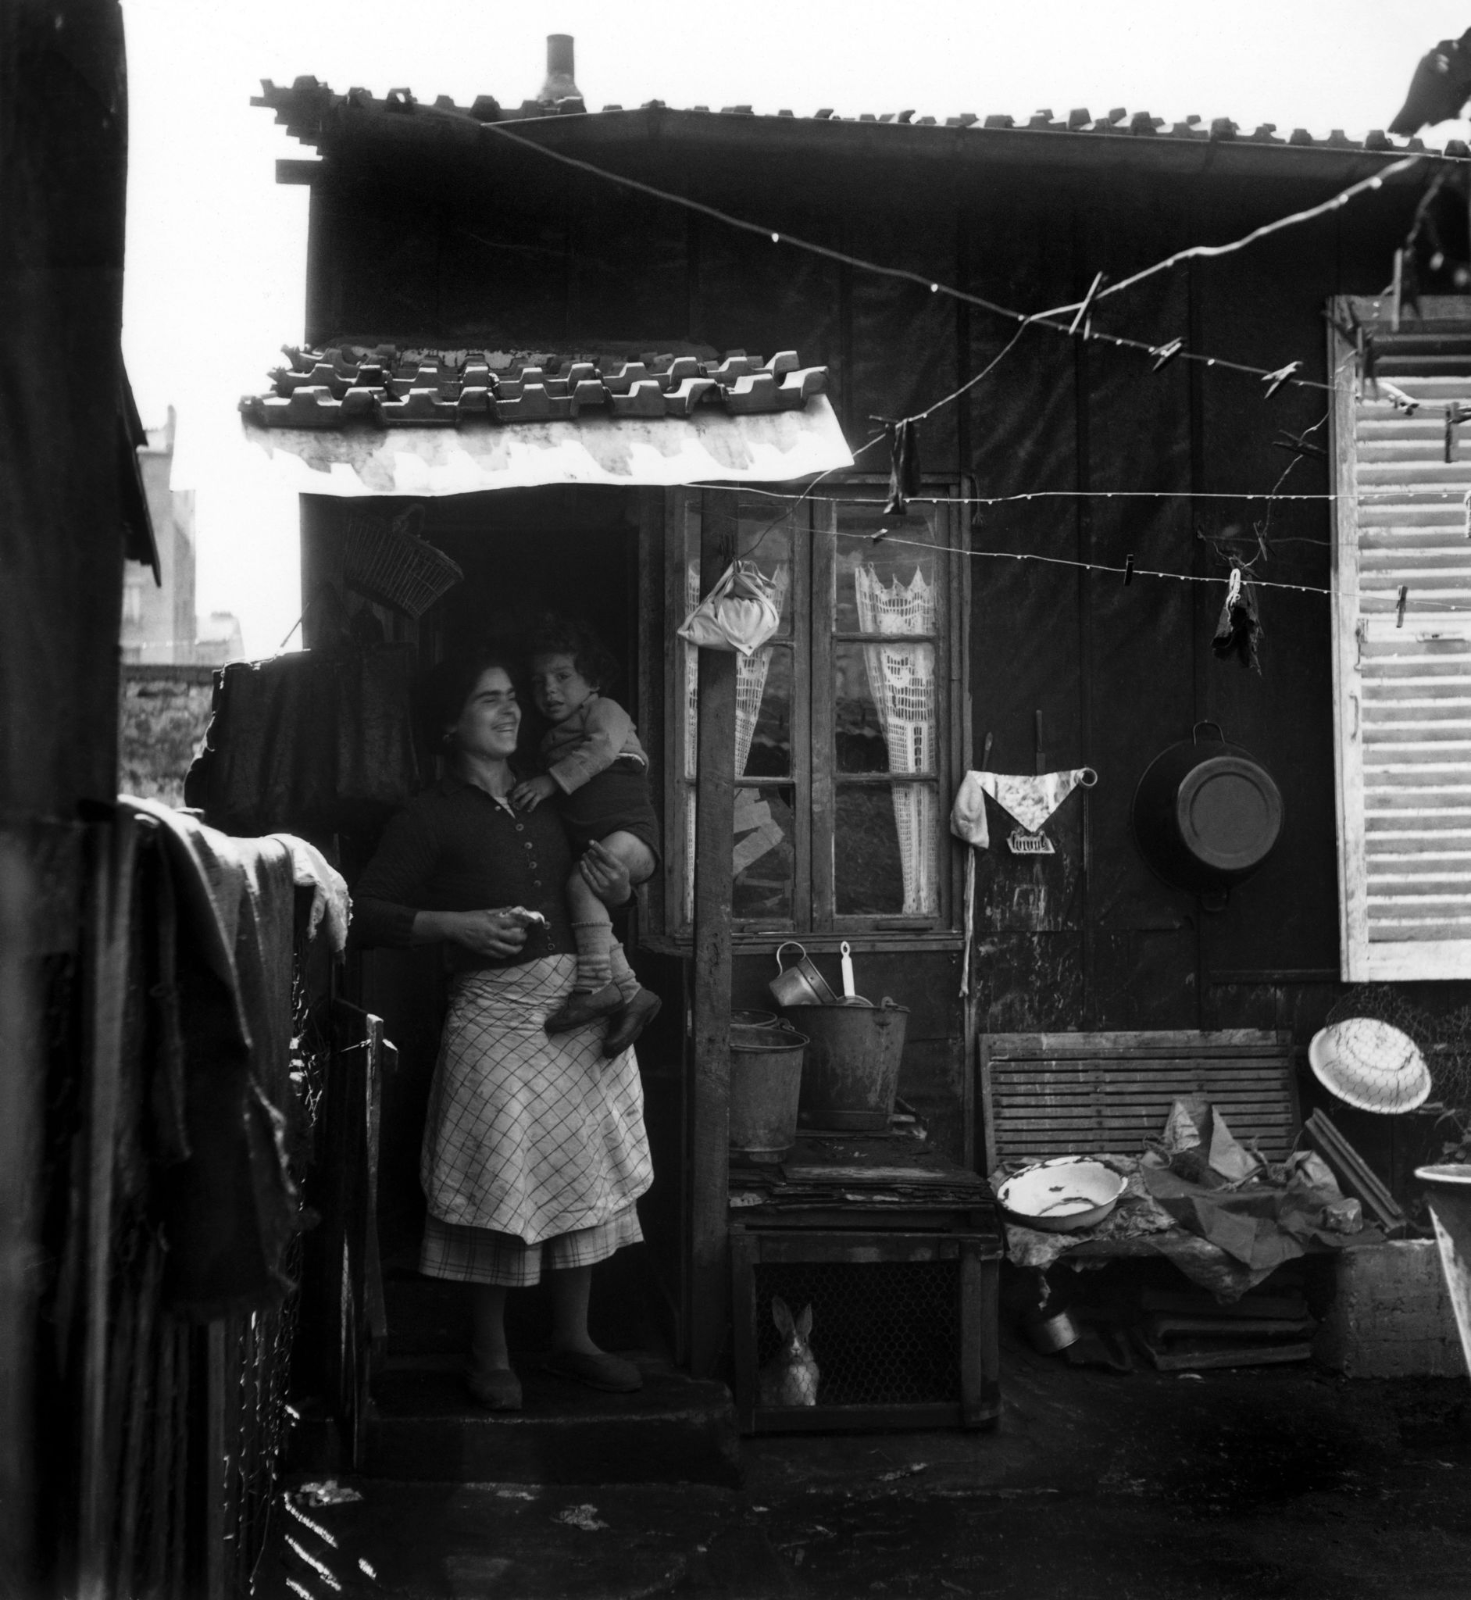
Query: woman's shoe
x=611, y=1374
x=631, y=1021
x=581, y=1008
x=497, y=1390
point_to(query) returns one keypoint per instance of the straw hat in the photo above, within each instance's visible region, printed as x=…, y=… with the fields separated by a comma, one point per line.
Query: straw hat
x=1370, y=1065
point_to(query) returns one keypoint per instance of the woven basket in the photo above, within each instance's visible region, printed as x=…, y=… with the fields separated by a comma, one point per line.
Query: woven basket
x=387, y=561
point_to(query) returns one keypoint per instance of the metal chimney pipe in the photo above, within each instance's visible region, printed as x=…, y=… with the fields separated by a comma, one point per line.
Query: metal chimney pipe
x=560, y=84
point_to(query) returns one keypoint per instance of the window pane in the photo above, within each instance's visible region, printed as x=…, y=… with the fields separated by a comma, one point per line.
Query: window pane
x=764, y=713
x=763, y=853
x=884, y=713
x=764, y=856
x=893, y=586
x=886, y=854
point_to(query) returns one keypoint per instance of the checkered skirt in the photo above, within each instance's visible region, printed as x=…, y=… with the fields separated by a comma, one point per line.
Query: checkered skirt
x=529, y=1133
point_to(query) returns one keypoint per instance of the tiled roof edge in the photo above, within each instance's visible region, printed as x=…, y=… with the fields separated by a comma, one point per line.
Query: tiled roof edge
x=385, y=386
x=305, y=106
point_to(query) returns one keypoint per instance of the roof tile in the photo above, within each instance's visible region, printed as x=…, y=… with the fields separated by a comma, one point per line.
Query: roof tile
x=307, y=105
x=385, y=387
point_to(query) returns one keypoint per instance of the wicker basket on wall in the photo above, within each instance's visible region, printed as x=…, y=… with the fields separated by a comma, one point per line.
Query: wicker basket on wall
x=387, y=561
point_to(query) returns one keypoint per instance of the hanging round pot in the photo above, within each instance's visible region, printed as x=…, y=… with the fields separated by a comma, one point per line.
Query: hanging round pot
x=1206, y=815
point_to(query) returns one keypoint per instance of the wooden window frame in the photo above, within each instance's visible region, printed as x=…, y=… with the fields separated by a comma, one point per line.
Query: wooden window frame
x=815, y=920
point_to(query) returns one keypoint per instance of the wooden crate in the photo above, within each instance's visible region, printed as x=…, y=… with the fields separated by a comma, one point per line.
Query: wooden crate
x=904, y=1326
x=1056, y=1094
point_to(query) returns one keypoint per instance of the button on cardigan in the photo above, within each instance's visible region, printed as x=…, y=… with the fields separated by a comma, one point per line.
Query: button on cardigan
x=454, y=848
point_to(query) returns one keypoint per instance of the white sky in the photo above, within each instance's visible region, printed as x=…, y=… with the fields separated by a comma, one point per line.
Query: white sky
x=216, y=261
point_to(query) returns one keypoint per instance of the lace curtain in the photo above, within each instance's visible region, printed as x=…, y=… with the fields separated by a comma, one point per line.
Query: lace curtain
x=901, y=678
x=751, y=812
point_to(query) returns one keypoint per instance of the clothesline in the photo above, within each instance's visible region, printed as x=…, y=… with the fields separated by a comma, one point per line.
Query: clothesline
x=1128, y=572
x=1080, y=324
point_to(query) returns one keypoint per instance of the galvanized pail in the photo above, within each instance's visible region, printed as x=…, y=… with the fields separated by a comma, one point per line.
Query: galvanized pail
x=765, y=1081
x=852, y=1071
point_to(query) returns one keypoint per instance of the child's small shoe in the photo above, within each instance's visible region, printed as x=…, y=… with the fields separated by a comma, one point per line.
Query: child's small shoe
x=631, y=1022
x=581, y=1008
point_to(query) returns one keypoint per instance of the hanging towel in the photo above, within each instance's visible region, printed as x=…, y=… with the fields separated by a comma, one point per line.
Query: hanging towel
x=1029, y=799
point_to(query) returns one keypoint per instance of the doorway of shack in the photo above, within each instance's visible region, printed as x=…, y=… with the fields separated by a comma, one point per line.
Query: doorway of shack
x=574, y=551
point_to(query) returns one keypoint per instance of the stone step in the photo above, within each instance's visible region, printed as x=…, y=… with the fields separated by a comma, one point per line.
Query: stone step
x=423, y=1427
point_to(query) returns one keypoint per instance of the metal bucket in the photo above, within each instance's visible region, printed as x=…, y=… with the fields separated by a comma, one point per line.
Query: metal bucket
x=852, y=1072
x=746, y=1017
x=765, y=1081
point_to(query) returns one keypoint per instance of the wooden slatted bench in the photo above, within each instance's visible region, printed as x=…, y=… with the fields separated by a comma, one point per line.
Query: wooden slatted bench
x=1057, y=1094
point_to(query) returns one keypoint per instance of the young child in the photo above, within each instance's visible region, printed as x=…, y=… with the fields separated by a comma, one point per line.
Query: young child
x=592, y=756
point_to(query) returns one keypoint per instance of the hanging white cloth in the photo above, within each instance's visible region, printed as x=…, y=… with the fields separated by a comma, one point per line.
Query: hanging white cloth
x=1031, y=799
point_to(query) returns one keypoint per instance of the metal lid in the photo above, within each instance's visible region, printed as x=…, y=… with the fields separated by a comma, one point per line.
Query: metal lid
x=1229, y=813
x=1371, y=1065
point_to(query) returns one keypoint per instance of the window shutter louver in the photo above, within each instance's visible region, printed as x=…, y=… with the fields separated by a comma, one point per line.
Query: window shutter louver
x=1402, y=682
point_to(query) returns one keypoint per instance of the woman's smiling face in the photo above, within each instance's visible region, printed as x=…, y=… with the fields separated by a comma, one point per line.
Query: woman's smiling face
x=490, y=720
x=557, y=687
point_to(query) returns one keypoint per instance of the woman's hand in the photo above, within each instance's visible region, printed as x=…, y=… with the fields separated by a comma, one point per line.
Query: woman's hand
x=605, y=874
x=498, y=934
x=529, y=795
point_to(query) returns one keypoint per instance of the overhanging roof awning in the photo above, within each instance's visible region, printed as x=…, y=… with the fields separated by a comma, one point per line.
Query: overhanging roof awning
x=708, y=446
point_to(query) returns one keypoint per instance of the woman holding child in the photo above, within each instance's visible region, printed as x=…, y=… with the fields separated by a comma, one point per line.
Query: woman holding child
x=534, y=1148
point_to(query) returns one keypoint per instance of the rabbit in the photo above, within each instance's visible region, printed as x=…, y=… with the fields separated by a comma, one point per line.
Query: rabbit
x=790, y=1377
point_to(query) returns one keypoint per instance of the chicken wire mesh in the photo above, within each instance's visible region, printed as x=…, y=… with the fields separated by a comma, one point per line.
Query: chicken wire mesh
x=1444, y=1039
x=883, y=1332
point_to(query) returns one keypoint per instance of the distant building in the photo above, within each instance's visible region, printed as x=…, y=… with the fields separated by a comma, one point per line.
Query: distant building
x=217, y=638
x=159, y=625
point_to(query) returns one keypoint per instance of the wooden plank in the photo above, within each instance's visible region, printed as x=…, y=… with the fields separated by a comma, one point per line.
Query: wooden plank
x=743, y=1254
x=112, y=853
x=858, y=1247
x=824, y=799
x=1132, y=1042
x=710, y=1096
x=861, y=1419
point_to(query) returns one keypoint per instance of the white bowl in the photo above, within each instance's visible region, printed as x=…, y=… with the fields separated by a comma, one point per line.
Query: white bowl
x=1062, y=1195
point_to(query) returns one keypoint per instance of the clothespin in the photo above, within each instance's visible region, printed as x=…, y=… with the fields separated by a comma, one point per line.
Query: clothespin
x=1083, y=318
x=1165, y=353
x=1275, y=380
x=1455, y=415
x=1233, y=587
x=879, y=537
x=1397, y=289
x=1298, y=444
x=1399, y=605
x=1398, y=398
x=1129, y=568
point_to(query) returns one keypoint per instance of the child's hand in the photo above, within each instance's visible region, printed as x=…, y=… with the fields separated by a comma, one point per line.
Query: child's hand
x=527, y=796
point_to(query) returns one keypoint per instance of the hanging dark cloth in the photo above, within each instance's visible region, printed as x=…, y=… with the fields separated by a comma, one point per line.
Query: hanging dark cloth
x=1239, y=629
x=224, y=1107
x=310, y=743
x=904, y=478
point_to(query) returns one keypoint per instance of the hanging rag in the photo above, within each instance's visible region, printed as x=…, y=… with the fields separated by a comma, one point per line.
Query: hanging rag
x=904, y=465
x=1030, y=799
x=229, y=1205
x=1239, y=629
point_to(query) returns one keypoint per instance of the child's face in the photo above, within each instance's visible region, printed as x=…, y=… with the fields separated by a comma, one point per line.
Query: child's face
x=557, y=687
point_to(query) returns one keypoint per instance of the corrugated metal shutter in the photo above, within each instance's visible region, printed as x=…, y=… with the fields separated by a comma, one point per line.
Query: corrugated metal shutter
x=1403, y=682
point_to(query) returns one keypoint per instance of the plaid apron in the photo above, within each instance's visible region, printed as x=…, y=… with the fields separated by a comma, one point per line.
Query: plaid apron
x=530, y=1133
